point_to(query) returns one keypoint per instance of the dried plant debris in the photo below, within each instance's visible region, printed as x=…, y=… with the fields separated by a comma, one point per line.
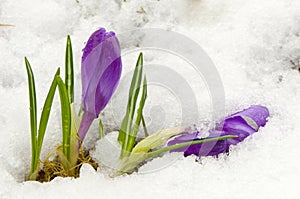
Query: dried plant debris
x=6, y=24
x=296, y=64
x=141, y=10
x=53, y=168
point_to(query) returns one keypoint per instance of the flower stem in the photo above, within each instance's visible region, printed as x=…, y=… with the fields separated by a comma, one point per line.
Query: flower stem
x=85, y=124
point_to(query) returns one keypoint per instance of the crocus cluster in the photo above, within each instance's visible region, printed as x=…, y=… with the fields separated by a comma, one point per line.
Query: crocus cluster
x=101, y=69
x=241, y=125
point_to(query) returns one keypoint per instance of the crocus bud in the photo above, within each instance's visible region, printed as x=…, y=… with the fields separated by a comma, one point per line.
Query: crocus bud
x=241, y=124
x=101, y=69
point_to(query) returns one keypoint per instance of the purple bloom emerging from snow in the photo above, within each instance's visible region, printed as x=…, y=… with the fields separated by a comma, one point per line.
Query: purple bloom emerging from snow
x=241, y=124
x=101, y=68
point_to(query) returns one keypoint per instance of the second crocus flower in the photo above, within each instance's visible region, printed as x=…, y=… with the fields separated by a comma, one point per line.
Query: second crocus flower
x=241, y=125
x=101, y=69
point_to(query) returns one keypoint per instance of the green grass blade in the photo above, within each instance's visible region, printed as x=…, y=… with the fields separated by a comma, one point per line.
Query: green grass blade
x=122, y=132
x=101, y=132
x=45, y=115
x=133, y=94
x=126, y=126
x=33, y=115
x=65, y=116
x=132, y=138
x=145, y=127
x=69, y=71
x=185, y=144
x=136, y=80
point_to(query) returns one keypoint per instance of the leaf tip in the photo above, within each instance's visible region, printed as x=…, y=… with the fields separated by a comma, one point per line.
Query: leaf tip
x=140, y=59
x=26, y=60
x=57, y=72
x=69, y=40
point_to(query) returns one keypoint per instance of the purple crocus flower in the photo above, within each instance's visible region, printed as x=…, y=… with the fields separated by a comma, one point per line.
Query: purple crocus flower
x=241, y=124
x=101, y=68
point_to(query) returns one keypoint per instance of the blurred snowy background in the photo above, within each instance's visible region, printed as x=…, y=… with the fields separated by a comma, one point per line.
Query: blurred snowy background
x=255, y=46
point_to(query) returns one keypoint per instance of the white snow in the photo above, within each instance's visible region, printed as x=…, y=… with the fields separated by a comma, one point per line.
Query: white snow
x=110, y=156
x=250, y=42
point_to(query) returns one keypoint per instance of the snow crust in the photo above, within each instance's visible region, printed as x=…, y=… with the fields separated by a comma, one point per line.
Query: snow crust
x=250, y=42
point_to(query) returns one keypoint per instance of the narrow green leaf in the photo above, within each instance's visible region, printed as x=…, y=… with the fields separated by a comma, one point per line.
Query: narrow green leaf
x=74, y=150
x=157, y=139
x=133, y=94
x=122, y=132
x=65, y=116
x=45, y=116
x=101, y=132
x=144, y=127
x=136, y=80
x=126, y=126
x=33, y=115
x=75, y=121
x=69, y=71
x=184, y=144
x=132, y=138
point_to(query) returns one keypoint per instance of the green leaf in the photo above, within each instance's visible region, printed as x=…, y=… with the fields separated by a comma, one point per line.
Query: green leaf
x=75, y=123
x=33, y=115
x=135, y=130
x=157, y=139
x=45, y=116
x=65, y=116
x=126, y=126
x=69, y=71
x=101, y=132
x=144, y=126
x=132, y=98
x=184, y=144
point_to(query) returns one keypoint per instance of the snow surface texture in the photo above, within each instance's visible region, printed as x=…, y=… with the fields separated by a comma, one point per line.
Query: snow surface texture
x=251, y=44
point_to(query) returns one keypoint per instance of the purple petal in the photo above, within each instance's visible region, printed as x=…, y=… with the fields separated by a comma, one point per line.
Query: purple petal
x=237, y=126
x=108, y=84
x=101, y=64
x=95, y=39
x=209, y=148
x=257, y=113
